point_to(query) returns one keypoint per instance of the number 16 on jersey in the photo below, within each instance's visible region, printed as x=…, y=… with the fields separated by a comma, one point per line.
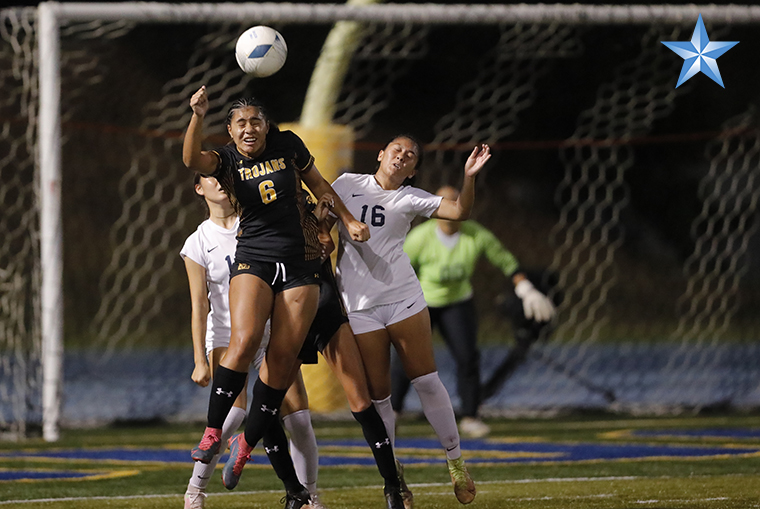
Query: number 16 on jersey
x=377, y=218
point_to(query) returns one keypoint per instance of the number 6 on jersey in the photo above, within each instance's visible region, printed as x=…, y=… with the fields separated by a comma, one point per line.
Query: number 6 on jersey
x=267, y=192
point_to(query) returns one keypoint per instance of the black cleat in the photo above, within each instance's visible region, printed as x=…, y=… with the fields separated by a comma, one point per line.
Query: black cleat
x=406, y=493
x=393, y=499
x=297, y=499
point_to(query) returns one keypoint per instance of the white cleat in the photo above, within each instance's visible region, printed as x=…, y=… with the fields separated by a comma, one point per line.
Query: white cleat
x=315, y=503
x=472, y=427
x=195, y=499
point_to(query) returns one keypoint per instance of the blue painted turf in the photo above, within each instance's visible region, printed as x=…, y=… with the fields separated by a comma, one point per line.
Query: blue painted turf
x=699, y=433
x=415, y=451
x=34, y=475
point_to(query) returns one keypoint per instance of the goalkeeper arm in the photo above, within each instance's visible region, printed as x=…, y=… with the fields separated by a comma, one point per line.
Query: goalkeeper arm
x=536, y=305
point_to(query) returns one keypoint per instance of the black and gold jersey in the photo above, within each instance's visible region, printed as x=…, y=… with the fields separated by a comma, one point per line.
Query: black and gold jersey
x=275, y=225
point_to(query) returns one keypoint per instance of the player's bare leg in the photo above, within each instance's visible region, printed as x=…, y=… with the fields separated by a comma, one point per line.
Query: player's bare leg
x=292, y=315
x=343, y=357
x=412, y=338
x=293, y=312
x=250, y=302
x=373, y=345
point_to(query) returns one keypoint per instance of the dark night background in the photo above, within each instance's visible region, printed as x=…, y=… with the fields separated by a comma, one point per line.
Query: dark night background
x=519, y=201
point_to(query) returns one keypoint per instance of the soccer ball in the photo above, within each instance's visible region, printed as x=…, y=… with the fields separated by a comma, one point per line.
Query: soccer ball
x=261, y=51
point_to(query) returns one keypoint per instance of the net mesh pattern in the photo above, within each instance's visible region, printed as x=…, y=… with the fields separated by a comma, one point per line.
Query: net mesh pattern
x=639, y=325
x=20, y=340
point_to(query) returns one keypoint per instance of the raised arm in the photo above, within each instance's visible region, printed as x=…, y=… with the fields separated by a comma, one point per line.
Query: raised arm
x=495, y=252
x=193, y=156
x=459, y=209
x=196, y=277
x=319, y=186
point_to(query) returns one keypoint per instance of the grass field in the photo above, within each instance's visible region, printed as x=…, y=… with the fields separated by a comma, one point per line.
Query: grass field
x=599, y=462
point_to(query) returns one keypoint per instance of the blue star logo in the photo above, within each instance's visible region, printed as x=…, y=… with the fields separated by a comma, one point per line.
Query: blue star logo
x=700, y=54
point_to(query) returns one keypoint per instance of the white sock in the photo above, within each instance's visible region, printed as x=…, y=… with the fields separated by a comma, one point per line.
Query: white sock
x=303, y=448
x=385, y=409
x=202, y=472
x=436, y=405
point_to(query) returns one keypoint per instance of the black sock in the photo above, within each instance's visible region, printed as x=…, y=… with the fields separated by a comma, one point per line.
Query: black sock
x=265, y=409
x=377, y=438
x=276, y=447
x=224, y=391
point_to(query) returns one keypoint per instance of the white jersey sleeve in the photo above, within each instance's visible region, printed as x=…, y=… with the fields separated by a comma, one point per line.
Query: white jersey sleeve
x=424, y=203
x=378, y=271
x=193, y=249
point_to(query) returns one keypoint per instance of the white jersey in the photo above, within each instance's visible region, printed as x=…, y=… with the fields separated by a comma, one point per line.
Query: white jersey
x=213, y=248
x=378, y=271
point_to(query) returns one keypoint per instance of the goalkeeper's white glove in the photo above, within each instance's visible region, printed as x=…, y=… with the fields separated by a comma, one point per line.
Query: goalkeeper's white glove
x=536, y=305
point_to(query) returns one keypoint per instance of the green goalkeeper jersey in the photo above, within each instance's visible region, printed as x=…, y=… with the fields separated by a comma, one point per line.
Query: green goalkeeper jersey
x=445, y=272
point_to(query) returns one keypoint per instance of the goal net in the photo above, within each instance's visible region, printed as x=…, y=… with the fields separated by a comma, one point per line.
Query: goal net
x=638, y=196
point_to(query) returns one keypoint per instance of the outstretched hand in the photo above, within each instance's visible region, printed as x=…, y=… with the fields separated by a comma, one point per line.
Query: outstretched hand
x=536, y=305
x=199, y=102
x=478, y=158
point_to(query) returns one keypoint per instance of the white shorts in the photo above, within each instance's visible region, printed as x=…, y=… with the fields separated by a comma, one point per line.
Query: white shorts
x=224, y=342
x=379, y=317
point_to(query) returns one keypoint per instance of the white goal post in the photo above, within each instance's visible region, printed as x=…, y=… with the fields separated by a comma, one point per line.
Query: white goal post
x=52, y=14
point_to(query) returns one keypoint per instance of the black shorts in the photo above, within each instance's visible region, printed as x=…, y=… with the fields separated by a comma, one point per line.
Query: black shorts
x=278, y=275
x=331, y=314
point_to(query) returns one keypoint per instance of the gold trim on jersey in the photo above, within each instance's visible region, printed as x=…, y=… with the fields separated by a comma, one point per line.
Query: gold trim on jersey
x=307, y=167
x=308, y=224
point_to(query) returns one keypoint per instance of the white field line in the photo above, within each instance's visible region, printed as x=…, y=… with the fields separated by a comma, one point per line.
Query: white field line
x=682, y=500
x=415, y=485
x=523, y=499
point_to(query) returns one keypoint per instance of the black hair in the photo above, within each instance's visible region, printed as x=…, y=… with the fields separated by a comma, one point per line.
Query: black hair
x=246, y=102
x=227, y=187
x=413, y=139
x=420, y=154
x=197, y=180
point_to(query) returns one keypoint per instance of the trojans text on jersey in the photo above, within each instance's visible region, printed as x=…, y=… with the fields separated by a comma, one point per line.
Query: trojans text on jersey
x=264, y=168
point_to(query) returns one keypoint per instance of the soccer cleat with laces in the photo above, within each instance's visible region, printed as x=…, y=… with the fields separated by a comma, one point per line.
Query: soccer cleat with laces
x=240, y=453
x=315, y=503
x=296, y=499
x=393, y=499
x=406, y=493
x=195, y=498
x=464, y=486
x=209, y=446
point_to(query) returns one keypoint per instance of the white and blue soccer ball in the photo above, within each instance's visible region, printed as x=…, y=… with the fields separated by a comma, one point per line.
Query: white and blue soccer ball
x=261, y=51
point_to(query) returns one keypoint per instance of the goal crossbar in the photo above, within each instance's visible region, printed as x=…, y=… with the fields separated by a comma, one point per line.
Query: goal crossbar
x=576, y=14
